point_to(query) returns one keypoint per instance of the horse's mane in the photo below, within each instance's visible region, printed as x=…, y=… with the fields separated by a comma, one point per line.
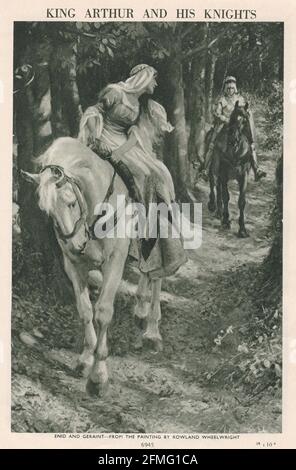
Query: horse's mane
x=67, y=152
x=238, y=110
x=233, y=131
x=72, y=156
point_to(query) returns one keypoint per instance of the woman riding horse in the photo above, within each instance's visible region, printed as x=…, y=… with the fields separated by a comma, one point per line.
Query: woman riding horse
x=70, y=184
x=122, y=130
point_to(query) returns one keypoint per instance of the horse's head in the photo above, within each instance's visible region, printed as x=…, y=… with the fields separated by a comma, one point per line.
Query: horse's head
x=239, y=125
x=240, y=116
x=61, y=198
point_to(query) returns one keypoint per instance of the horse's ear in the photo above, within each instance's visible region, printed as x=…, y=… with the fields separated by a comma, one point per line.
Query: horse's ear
x=30, y=177
x=246, y=106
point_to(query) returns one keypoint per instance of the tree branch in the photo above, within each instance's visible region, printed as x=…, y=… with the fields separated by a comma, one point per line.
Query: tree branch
x=201, y=48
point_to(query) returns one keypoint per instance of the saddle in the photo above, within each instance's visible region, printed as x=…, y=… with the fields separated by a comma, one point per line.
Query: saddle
x=120, y=168
x=160, y=257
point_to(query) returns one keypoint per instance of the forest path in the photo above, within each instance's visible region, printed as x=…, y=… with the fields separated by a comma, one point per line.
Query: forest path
x=169, y=392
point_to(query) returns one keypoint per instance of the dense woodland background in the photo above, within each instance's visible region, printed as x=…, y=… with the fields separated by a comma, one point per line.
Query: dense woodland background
x=70, y=63
x=73, y=61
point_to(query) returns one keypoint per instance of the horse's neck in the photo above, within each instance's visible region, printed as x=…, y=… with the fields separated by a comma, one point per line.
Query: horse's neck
x=239, y=144
x=95, y=181
x=244, y=144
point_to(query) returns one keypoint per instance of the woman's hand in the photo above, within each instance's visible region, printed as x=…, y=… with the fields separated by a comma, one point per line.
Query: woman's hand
x=91, y=142
x=116, y=155
x=91, y=124
x=103, y=149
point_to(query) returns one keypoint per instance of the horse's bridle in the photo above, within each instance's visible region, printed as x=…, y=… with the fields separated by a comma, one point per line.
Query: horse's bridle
x=63, y=179
x=235, y=142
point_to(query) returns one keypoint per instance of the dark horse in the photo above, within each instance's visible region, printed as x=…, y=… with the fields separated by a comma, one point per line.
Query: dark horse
x=231, y=160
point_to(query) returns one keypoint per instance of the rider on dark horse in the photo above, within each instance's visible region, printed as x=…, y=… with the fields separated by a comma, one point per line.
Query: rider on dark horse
x=222, y=113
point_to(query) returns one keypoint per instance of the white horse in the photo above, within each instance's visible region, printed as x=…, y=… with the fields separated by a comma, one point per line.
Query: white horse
x=72, y=181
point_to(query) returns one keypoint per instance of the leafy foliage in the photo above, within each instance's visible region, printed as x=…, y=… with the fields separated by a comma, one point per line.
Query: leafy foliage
x=256, y=364
x=274, y=97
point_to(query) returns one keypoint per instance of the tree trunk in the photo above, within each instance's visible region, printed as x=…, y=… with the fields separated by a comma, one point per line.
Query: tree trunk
x=65, y=101
x=59, y=126
x=32, y=129
x=198, y=107
x=24, y=110
x=42, y=109
x=26, y=130
x=71, y=95
x=34, y=224
x=273, y=264
x=281, y=55
x=198, y=101
x=211, y=67
x=179, y=148
x=255, y=50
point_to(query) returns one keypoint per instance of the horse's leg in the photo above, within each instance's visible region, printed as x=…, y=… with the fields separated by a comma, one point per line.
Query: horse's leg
x=142, y=297
x=141, y=309
x=112, y=275
x=218, y=213
x=85, y=311
x=243, y=181
x=225, y=197
x=152, y=326
x=212, y=197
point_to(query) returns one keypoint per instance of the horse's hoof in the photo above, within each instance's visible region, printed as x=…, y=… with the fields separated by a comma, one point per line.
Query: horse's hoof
x=80, y=369
x=138, y=344
x=226, y=225
x=141, y=310
x=154, y=344
x=140, y=323
x=218, y=215
x=243, y=234
x=83, y=365
x=158, y=345
x=211, y=206
x=96, y=389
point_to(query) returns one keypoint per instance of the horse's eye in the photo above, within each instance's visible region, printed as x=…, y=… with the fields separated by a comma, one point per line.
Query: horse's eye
x=72, y=205
x=57, y=172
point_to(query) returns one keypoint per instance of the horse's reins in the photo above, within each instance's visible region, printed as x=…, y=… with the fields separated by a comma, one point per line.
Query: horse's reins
x=63, y=179
x=233, y=145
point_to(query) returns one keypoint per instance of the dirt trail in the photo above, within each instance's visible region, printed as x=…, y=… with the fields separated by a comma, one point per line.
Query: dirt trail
x=166, y=392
